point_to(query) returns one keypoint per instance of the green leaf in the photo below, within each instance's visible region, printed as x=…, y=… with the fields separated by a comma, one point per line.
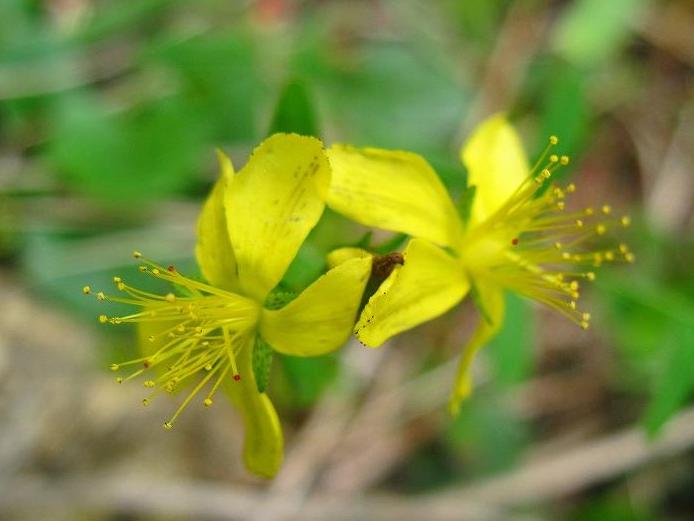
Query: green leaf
x=676, y=382
x=511, y=350
x=309, y=376
x=294, y=111
x=146, y=153
x=592, y=31
x=262, y=363
x=464, y=205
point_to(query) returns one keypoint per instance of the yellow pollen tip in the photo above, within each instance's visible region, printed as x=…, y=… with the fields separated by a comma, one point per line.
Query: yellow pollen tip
x=120, y=286
x=553, y=140
x=101, y=296
x=180, y=328
x=155, y=271
x=564, y=160
x=584, y=325
x=149, y=383
x=142, y=269
x=115, y=367
x=86, y=290
x=626, y=221
x=117, y=280
x=557, y=245
x=573, y=285
x=137, y=254
x=623, y=248
x=554, y=158
x=119, y=380
x=207, y=402
x=606, y=209
x=590, y=275
x=572, y=304
x=609, y=256
x=103, y=319
x=630, y=257
x=145, y=402
x=579, y=223
x=585, y=317
x=571, y=188
x=561, y=205
x=168, y=426
x=588, y=211
x=170, y=297
x=600, y=229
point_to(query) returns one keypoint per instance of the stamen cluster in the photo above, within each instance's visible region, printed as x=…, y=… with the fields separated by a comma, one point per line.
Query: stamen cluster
x=196, y=332
x=542, y=250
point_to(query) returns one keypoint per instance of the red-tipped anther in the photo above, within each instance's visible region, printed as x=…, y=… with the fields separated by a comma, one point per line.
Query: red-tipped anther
x=237, y=377
x=171, y=268
x=514, y=241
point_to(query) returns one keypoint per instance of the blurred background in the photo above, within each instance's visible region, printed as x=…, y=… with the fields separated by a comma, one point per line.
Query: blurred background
x=109, y=114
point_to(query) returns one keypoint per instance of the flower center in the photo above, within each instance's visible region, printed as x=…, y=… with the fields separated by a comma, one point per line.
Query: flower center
x=533, y=246
x=193, y=335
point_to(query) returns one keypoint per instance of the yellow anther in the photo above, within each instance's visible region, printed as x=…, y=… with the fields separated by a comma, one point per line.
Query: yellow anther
x=623, y=248
x=86, y=290
x=579, y=223
x=572, y=304
x=149, y=383
x=119, y=380
x=600, y=229
x=208, y=367
x=590, y=275
x=571, y=188
x=626, y=221
x=115, y=367
x=573, y=285
x=145, y=402
x=553, y=140
x=564, y=160
x=557, y=245
x=630, y=257
x=554, y=158
x=609, y=256
x=103, y=319
x=588, y=211
x=155, y=271
x=150, y=338
x=168, y=426
x=207, y=402
x=561, y=205
x=120, y=286
x=606, y=209
x=142, y=269
x=170, y=297
x=117, y=280
x=199, y=330
x=584, y=325
x=137, y=254
x=180, y=328
x=585, y=316
x=101, y=296
x=566, y=255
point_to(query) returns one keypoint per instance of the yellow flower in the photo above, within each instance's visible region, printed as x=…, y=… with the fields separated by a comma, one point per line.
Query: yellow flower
x=516, y=235
x=206, y=335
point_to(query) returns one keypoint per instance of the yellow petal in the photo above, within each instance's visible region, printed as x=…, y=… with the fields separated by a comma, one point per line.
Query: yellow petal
x=321, y=319
x=392, y=190
x=491, y=299
x=213, y=249
x=428, y=284
x=263, y=448
x=340, y=255
x=496, y=164
x=274, y=202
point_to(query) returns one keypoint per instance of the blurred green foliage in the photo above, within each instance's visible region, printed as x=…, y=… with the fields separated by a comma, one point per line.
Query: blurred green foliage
x=117, y=108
